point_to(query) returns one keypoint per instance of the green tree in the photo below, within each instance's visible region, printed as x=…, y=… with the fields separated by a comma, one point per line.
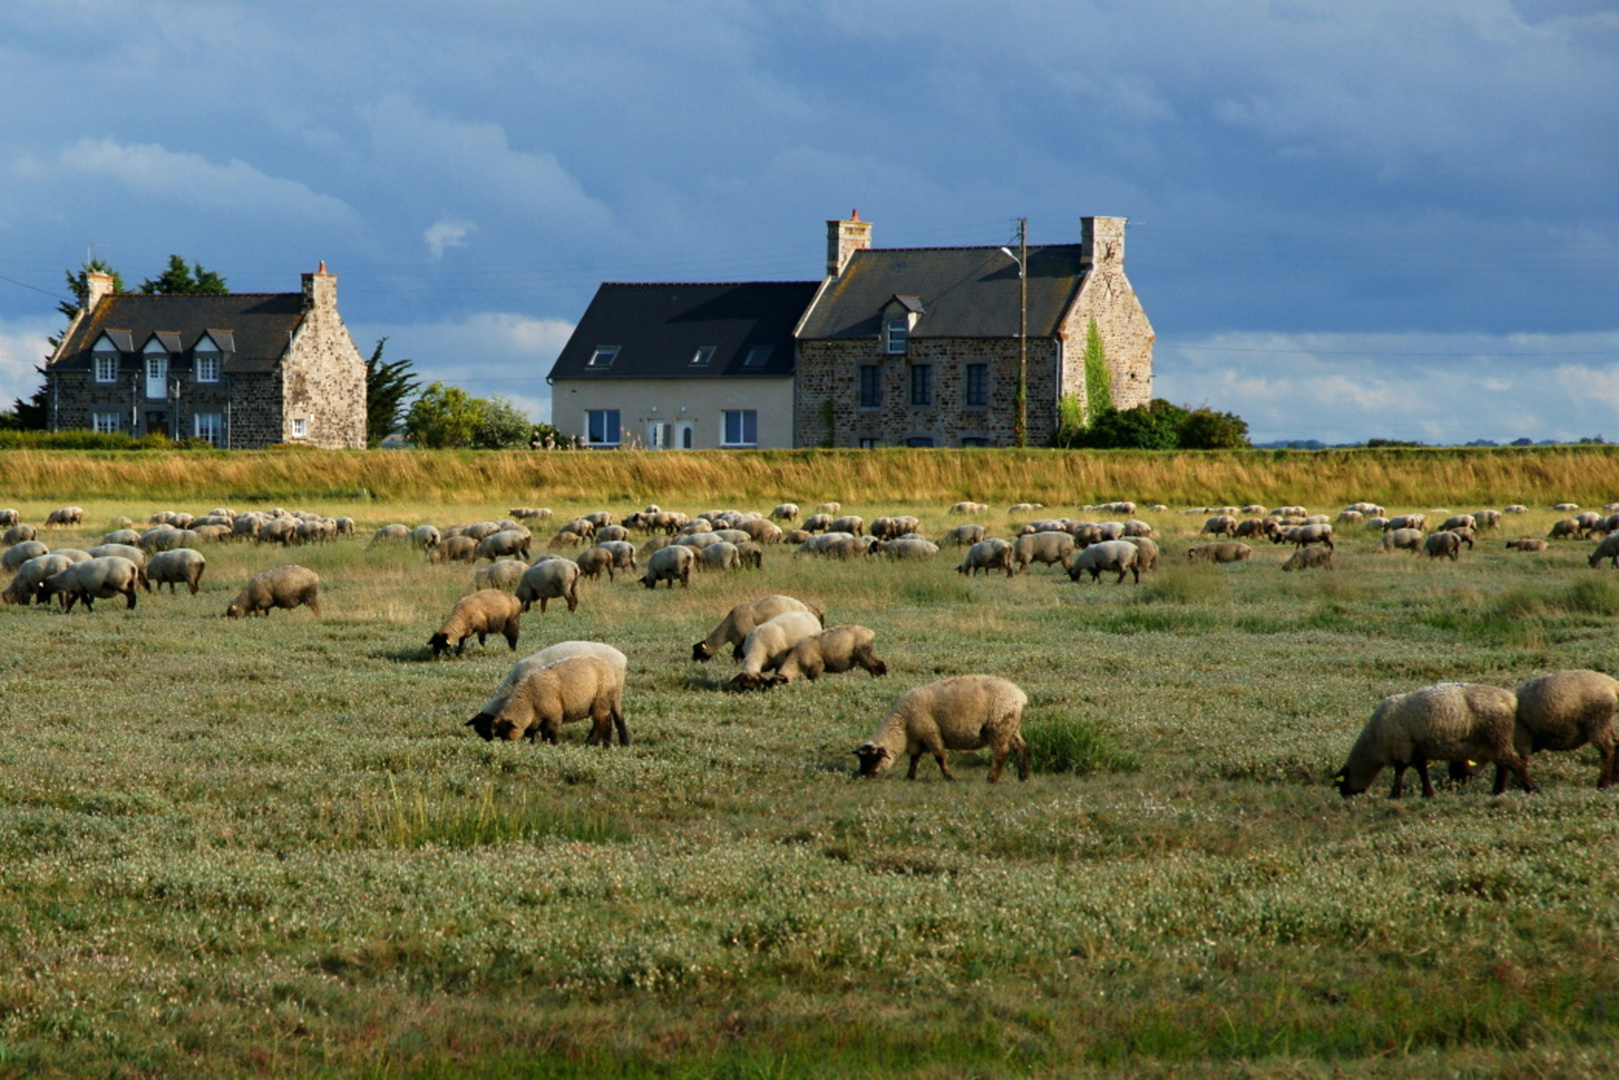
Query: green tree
x=387, y=386
x=180, y=279
x=443, y=417
x=1205, y=429
x=1131, y=429
x=1098, y=387
x=501, y=425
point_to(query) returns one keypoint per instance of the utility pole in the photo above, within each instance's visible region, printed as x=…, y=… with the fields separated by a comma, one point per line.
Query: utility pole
x=1020, y=405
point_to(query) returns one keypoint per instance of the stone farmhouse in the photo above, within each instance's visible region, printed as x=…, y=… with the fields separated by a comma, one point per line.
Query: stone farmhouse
x=892, y=347
x=238, y=370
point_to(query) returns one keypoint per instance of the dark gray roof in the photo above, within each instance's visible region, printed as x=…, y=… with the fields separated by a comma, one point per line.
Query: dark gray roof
x=253, y=328
x=964, y=292
x=658, y=329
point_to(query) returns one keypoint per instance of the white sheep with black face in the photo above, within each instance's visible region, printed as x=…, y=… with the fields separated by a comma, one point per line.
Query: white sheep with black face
x=1445, y=722
x=965, y=712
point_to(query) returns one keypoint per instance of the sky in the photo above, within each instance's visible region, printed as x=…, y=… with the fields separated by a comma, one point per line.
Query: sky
x=1379, y=219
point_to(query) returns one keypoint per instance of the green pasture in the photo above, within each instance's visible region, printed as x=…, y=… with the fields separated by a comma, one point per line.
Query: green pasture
x=270, y=846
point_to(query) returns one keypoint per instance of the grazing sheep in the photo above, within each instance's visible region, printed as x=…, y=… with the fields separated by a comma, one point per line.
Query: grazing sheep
x=751, y=555
x=124, y=551
x=504, y=574
x=10, y=516
x=671, y=564
x=454, y=549
x=283, y=587
x=741, y=621
x=1566, y=507
x=1025, y=507
x=25, y=585
x=488, y=611
x=1457, y=521
x=833, y=651
x=18, y=554
x=833, y=508
x=961, y=713
x=1445, y=722
x=524, y=512
x=1301, y=535
x=817, y=523
x=93, y=579
x=593, y=562
x=1487, y=519
x=785, y=512
x=1443, y=545
x=177, y=566
x=127, y=537
x=850, y=523
x=908, y=546
x=1350, y=517
x=969, y=508
x=1118, y=556
x=1607, y=549
x=1219, y=525
x=1401, y=539
x=964, y=535
x=1043, y=547
x=388, y=534
x=1566, y=528
x=18, y=534
x=66, y=515
x=1527, y=543
x=720, y=556
x=1146, y=551
x=1309, y=558
x=1515, y=508
x=550, y=579
x=1565, y=710
x=768, y=644
x=1228, y=551
x=575, y=688
x=1407, y=521
x=551, y=654
x=507, y=543
x=988, y=555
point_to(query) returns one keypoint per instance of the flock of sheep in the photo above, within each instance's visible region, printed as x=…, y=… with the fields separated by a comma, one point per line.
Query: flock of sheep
x=779, y=638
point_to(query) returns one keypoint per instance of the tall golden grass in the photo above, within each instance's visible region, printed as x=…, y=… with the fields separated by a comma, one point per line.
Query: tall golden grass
x=1405, y=477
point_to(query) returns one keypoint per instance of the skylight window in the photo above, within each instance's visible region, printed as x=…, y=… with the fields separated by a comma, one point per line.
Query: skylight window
x=603, y=356
x=702, y=356
x=758, y=356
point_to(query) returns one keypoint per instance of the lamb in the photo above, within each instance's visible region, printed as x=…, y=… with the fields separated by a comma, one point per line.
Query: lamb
x=18, y=534
x=1443, y=545
x=507, y=543
x=988, y=555
x=1527, y=543
x=488, y=611
x=18, y=554
x=1565, y=710
x=575, y=688
x=283, y=587
x=768, y=644
x=550, y=579
x=1607, y=549
x=965, y=712
x=1401, y=539
x=834, y=651
x=1226, y=552
x=179, y=565
x=1309, y=558
x=504, y=575
x=1043, y=547
x=25, y=585
x=741, y=620
x=671, y=564
x=91, y=580
x=1447, y=722
x=1118, y=556
x=66, y=515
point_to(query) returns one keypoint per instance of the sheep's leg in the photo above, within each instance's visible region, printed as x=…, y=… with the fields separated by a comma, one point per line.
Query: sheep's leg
x=999, y=761
x=1422, y=772
x=944, y=767
x=916, y=759
x=1399, y=779
x=1022, y=749
x=1520, y=769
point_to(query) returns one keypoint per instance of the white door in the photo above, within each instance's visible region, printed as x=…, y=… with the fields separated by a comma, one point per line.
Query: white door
x=157, y=376
x=657, y=435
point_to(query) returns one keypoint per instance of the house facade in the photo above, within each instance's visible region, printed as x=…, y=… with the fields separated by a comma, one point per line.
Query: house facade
x=238, y=370
x=922, y=346
x=682, y=366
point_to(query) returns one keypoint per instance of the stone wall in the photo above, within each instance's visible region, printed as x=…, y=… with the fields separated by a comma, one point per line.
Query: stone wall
x=1107, y=296
x=323, y=378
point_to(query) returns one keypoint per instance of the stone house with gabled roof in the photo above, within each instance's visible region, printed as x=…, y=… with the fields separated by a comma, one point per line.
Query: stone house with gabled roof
x=696, y=366
x=920, y=346
x=238, y=370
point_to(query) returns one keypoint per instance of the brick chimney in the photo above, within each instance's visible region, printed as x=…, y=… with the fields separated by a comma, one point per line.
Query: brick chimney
x=96, y=286
x=320, y=290
x=843, y=239
x=1101, y=242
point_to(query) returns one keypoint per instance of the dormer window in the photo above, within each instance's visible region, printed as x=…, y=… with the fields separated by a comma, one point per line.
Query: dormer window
x=896, y=334
x=104, y=355
x=208, y=359
x=156, y=358
x=603, y=356
x=758, y=356
x=702, y=356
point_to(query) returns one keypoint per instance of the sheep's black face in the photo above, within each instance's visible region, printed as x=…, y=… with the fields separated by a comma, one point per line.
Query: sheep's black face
x=878, y=669
x=484, y=725
x=873, y=759
x=1344, y=787
x=440, y=644
x=700, y=653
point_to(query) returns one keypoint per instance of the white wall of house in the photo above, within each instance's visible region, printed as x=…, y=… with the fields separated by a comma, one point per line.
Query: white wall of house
x=653, y=409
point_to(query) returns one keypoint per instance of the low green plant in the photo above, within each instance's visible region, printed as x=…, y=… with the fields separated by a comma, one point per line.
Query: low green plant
x=1072, y=744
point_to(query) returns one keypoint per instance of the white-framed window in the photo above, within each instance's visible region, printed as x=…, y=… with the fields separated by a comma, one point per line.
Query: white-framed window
x=300, y=428
x=208, y=426
x=741, y=428
x=601, y=427
x=703, y=355
x=896, y=334
x=603, y=356
x=157, y=370
x=106, y=367
x=104, y=423
x=207, y=367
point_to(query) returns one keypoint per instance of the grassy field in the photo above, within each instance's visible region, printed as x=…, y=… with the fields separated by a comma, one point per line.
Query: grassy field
x=270, y=846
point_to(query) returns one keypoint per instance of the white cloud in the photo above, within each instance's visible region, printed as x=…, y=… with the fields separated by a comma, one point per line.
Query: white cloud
x=23, y=347
x=447, y=233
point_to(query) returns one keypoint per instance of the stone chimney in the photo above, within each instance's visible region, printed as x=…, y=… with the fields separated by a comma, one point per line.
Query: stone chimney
x=843, y=239
x=1101, y=242
x=96, y=286
x=320, y=290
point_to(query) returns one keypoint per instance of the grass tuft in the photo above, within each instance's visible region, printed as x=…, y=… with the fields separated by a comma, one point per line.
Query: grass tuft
x=1071, y=744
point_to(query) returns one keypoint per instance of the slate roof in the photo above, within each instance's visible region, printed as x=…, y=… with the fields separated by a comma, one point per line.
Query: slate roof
x=659, y=328
x=253, y=328
x=964, y=292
